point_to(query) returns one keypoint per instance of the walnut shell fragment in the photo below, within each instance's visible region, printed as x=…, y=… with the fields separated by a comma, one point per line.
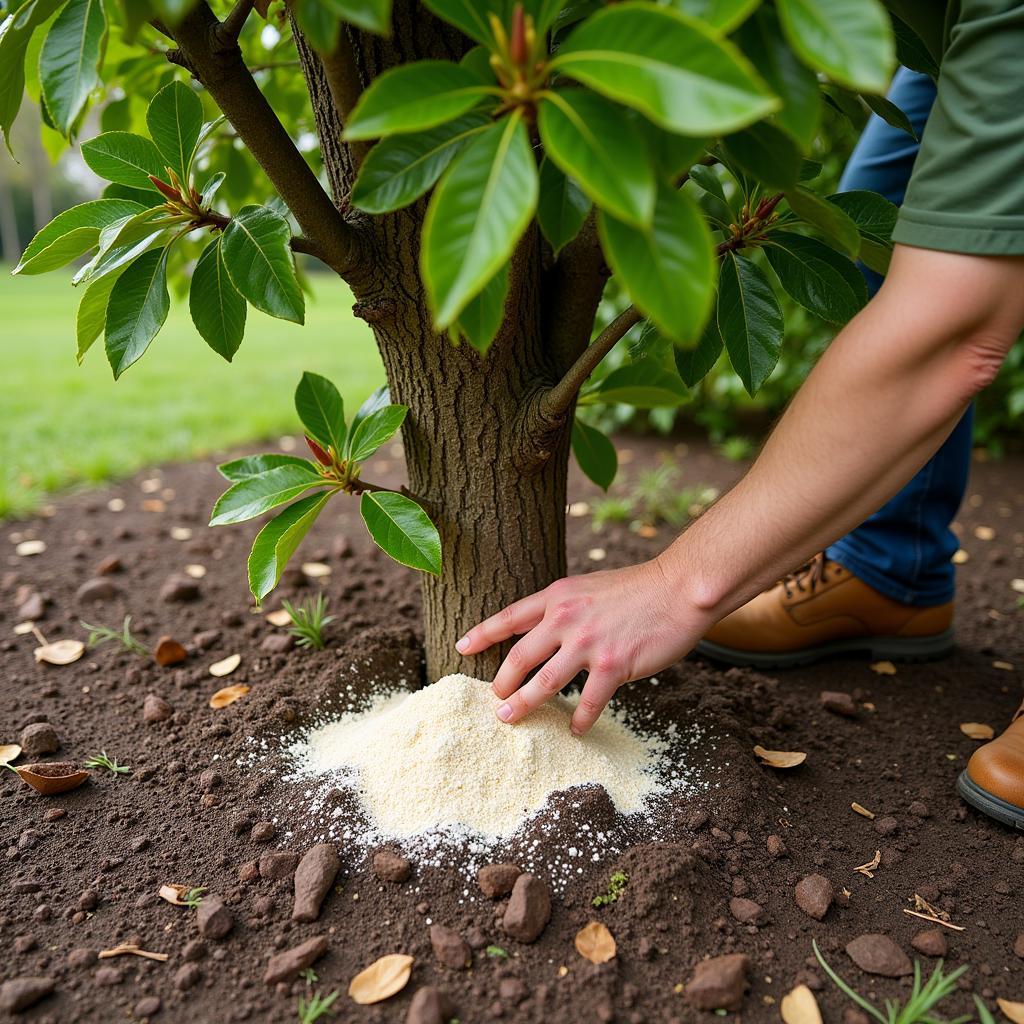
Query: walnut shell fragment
x=780, y=758
x=60, y=652
x=52, y=777
x=222, y=698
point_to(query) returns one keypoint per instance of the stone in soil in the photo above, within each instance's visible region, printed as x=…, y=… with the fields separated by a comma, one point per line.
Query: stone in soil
x=39, y=738
x=106, y=977
x=814, y=895
x=147, y=1006
x=449, y=947
x=278, y=864
x=19, y=994
x=33, y=606
x=286, y=966
x=187, y=976
x=263, y=832
x=213, y=918
x=496, y=880
x=430, y=1006
x=719, y=983
x=878, y=954
x=168, y=652
x=179, y=589
x=930, y=942
x=313, y=879
x=838, y=702
x=391, y=867
x=277, y=643
x=1018, y=946
x=745, y=911
x=97, y=590
x=156, y=709
x=528, y=910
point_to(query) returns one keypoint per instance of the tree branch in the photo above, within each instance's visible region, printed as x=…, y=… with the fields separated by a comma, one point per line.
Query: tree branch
x=214, y=58
x=345, y=85
x=236, y=19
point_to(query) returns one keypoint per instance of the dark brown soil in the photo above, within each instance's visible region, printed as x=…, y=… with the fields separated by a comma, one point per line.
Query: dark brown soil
x=81, y=870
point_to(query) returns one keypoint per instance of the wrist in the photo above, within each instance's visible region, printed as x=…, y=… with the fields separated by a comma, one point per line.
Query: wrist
x=693, y=596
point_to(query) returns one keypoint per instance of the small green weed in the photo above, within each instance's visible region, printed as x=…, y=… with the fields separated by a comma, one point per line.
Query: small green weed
x=497, y=951
x=308, y=621
x=616, y=886
x=104, y=634
x=316, y=1006
x=101, y=760
x=309, y=976
x=194, y=896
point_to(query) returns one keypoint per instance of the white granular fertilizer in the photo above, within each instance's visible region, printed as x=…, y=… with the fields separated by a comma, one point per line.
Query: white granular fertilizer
x=440, y=759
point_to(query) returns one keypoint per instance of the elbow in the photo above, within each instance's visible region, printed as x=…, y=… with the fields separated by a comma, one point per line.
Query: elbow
x=978, y=359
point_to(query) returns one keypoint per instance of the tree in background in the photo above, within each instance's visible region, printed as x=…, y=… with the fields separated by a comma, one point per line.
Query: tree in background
x=488, y=167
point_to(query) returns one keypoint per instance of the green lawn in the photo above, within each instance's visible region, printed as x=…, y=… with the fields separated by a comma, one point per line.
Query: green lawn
x=63, y=425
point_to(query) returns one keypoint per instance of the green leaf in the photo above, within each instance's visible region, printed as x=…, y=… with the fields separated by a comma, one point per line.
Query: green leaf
x=277, y=541
x=16, y=31
x=850, y=40
x=671, y=68
x=911, y=50
x=124, y=158
x=399, y=169
x=479, y=209
x=175, y=119
x=766, y=153
x=889, y=113
x=827, y=217
x=374, y=430
x=875, y=218
x=413, y=97
x=725, y=15
x=124, y=240
x=749, y=320
x=92, y=313
x=820, y=279
x=254, y=465
x=255, y=495
x=694, y=364
x=469, y=16
x=595, y=142
x=321, y=410
x=643, y=384
x=319, y=24
x=72, y=233
x=562, y=207
x=481, y=319
x=595, y=454
x=211, y=188
x=70, y=59
x=543, y=12
x=401, y=529
x=256, y=252
x=218, y=311
x=378, y=400
x=373, y=15
x=669, y=268
x=670, y=154
x=137, y=309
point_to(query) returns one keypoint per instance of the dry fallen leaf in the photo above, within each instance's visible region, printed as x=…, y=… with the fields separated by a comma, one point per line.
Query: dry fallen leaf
x=1003, y=666
x=227, y=666
x=780, y=758
x=884, y=668
x=222, y=698
x=871, y=866
x=60, y=652
x=862, y=811
x=131, y=948
x=315, y=570
x=595, y=943
x=279, y=618
x=173, y=892
x=52, y=777
x=195, y=570
x=382, y=979
x=977, y=730
x=800, y=1007
x=9, y=752
x=1011, y=1011
x=984, y=533
x=30, y=547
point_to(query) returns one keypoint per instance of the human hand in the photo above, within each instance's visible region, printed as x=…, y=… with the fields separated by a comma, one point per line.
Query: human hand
x=619, y=625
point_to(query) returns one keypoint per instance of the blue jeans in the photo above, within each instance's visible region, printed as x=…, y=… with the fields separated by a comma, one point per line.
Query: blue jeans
x=904, y=549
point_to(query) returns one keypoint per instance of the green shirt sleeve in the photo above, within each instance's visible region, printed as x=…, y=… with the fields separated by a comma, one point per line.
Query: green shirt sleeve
x=967, y=190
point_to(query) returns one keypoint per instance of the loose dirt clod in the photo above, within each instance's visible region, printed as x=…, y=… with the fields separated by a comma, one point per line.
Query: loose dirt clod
x=977, y=730
x=286, y=967
x=595, y=943
x=19, y=994
x=780, y=758
x=430, y=1006
x=799, y=1006
x=719, y=983
x=450, y=948
x=382, y=979
x=226, y=666
x=228, y=695
x=496, y=880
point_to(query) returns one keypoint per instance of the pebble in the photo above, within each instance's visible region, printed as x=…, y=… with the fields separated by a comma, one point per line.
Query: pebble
x=851, y=1015
x=108, y=565
x=775, y=846
x=279, y=864
x=449, y=947
x=32, y=607
x=814, y=895
x=193, y=950
x=313, y=879
x=148, y=1006
x=391, y=867
x=39, y=738
x=878, y=954
x=496, y=880
x=277, y=643
x=89, y=900
x=263, y=832
x=887, y=826
x=101, y=589
x=81, y=957
x=1018, y=946
x=286, y=966
x=20, y=993
x=745, y=911
x=168, y=652
x=838, y=702
x=156, y=709
x=528, y=910
x=719, y=983
x=108, y=976
x=206, y=639
x=179, y=588
x=25, y=944
x=930, y=942
x=213, y=918
x=187, y=976
x=513, y=991
x=430, y=1006
x=476, y=937
x=919, y=809
x=210, y=779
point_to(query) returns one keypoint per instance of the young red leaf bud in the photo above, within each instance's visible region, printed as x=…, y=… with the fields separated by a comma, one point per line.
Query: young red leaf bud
x=164, y=189
x=517, y=42
x=321, y=456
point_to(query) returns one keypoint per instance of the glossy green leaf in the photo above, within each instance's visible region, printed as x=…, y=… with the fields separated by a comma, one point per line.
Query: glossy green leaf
x=175, y=119
x=278, y=540
x=889, y=113
x=875, y=218
x=820, y=279
x=850, y=40
x=562, y=207
x=401, y=168
x=319, y=24
x=694, y=364
x=378, y=400
x=92, y=313
x=725, y=15
x=766, y=153
x=469, y=16
x=827, y=217
x=670, y=154
x=137, y=309
x=911, y=50
x=124, y=158
x=669, y=268
x=211, y=188
x=543, y=12
x=255, y=495
x=321, y=410
x=643, y=384
x=401, y=529
x=122, y=242
x=70, y=59
x=256, y=251
x=482, y=317
x=254, y=465
x=218, y=311
x=595, y=454
x=374, y=430
x=597, y=144
x=414, y=97
x=373, y=15
x=749, y=320
x=479, y=209
x=671, y=68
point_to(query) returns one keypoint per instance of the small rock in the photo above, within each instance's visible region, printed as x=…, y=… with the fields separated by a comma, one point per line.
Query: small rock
x=108, y=976
x=89, y=900
x=476, y=937
x=719, y=983
x=263, y=832
x=1018, y=946
x=21, y=993
x=814, y=895
x=930, y=942
x=919, y=809
x=496, y=880
x=512, y=991
x=207, y=638
x=169, y=652
x=286, y=966
x=32, y=607
x=430, y=1006
x=745, y=911
x=839, y=703
x=156, y=709
x=81, y=957
x=277, y=643
x=851, y=1015
x=887, y=826
x=148, y=1006
x=449, y=947
x=213, y=918
x=391, y=867
x=529, y=909
x=313, y=879
x=39, y=738
x=25, y=944
x=210, y=779
x=775, y=846
x=179, y=588
x=109, y=565
x=878, y=954
x=187, y=976
x=193, y=950
x=249, y=871
x=97, y=590
x=279, y=864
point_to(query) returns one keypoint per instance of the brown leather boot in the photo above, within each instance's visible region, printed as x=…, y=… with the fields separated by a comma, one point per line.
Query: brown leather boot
x=993, y=781
x=823, y=609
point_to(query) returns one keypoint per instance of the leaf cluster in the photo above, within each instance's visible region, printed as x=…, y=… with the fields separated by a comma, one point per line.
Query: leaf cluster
x=99, y=635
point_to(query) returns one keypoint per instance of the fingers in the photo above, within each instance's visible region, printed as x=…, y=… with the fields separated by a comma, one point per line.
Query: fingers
x=516, y=618
x=558, y=671
x=599, y=689
x=538, y=645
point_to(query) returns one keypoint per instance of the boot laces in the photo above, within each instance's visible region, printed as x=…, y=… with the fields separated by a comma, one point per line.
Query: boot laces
x=807, y=578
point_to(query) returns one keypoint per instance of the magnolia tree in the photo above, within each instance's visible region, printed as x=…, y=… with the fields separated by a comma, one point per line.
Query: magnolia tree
x=476, y=171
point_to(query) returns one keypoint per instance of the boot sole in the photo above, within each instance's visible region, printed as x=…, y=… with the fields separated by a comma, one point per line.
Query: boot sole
x=981, y=800
x=878, y=648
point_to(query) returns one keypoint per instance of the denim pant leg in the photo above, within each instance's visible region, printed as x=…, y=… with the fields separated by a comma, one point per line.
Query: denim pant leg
x=904, y=549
